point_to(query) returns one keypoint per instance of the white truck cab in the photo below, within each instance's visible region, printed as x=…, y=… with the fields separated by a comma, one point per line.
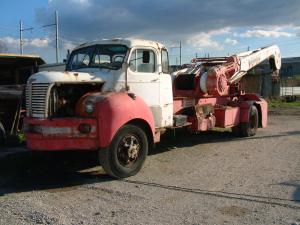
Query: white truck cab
x=133, y=65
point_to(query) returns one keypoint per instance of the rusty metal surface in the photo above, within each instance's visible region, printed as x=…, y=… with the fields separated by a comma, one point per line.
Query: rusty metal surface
x=14, y=72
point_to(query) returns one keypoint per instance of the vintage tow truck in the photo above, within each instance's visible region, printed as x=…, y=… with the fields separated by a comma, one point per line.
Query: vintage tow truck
x=117, y=97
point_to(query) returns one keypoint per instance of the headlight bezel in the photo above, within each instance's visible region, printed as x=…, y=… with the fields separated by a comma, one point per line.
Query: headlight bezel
x=89, y=107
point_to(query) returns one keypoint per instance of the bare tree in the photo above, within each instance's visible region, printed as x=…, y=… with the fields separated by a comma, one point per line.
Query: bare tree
x=3, y=47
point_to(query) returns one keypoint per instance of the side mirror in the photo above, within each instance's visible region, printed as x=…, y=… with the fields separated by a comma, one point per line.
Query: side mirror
x=146, y=56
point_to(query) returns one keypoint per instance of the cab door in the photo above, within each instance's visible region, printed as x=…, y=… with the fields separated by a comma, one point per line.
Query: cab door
x=166, y=91
x=143, y=79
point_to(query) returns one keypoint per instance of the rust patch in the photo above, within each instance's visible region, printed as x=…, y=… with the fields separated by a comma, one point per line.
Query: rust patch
x=203, y=111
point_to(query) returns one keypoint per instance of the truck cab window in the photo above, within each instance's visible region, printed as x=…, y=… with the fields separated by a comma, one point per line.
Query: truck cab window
x=165, y=61
x=109, y=57
x=98, y=56
x=143, y=61
x=81, y=58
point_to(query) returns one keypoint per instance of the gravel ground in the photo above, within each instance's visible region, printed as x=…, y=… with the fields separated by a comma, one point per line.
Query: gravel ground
x=210, y=178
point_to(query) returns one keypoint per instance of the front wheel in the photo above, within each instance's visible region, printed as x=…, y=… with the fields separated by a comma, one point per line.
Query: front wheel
x=127, y=152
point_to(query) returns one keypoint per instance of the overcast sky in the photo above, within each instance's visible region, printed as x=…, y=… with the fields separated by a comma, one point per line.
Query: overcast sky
x=217, y=27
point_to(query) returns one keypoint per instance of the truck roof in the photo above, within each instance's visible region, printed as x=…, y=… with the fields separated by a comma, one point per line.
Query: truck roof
x=11, y=58
x=129, y=42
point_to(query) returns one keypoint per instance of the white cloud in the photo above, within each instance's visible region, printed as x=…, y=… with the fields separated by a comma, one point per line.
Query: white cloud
x=231, y=41
x=36, y=42
x=82, y=2
x=225, y=30
x=260, y=33
x=203, y=40
x=68, y=45
x=10, y=41
x=297, y=30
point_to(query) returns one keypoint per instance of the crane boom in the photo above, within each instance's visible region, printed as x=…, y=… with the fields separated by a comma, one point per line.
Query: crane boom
x=225, y=71
x=248, y=60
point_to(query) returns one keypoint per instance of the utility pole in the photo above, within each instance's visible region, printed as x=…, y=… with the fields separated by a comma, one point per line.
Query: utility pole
x=21, y=35
x=56, y=35
x=180, y=52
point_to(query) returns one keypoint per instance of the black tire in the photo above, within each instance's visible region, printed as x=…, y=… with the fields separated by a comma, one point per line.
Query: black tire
x=123, y=159
x=236, y=131
x=249, y=129
x=2, y=135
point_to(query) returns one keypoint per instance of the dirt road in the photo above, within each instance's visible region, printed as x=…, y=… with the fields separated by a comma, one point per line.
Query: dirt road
x=210, y=178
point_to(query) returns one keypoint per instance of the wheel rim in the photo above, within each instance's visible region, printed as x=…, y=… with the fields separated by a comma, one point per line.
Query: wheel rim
x=128, y=150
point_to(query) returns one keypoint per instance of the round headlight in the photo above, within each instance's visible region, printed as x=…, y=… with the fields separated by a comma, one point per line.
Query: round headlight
x=89, y=107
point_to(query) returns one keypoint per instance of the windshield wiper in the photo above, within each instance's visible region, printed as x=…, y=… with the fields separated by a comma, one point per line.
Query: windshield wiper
x=79, y=67
x=108, y=66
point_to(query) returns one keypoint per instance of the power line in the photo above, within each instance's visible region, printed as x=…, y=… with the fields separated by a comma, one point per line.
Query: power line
x=56, y=34
x=21, y=30
x=75, y=40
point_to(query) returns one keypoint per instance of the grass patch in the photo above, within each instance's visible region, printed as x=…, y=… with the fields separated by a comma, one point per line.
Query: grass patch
x=297, y=77
x=21, y=137
x=283, y=104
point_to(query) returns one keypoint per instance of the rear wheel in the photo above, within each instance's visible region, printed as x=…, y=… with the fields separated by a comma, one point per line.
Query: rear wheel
x=249, y=129
x=127, y=152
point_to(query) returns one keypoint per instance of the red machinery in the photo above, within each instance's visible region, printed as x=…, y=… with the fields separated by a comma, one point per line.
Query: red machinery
x=210, y=88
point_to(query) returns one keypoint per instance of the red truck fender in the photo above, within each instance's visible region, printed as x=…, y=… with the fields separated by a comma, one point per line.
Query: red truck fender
x=117, y=109
x=259, y=103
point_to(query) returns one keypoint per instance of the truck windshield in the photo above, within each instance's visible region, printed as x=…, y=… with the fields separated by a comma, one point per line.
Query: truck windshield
x=98, y=56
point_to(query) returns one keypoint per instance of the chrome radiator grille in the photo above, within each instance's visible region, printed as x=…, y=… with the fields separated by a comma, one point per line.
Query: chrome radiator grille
x=36, y=99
